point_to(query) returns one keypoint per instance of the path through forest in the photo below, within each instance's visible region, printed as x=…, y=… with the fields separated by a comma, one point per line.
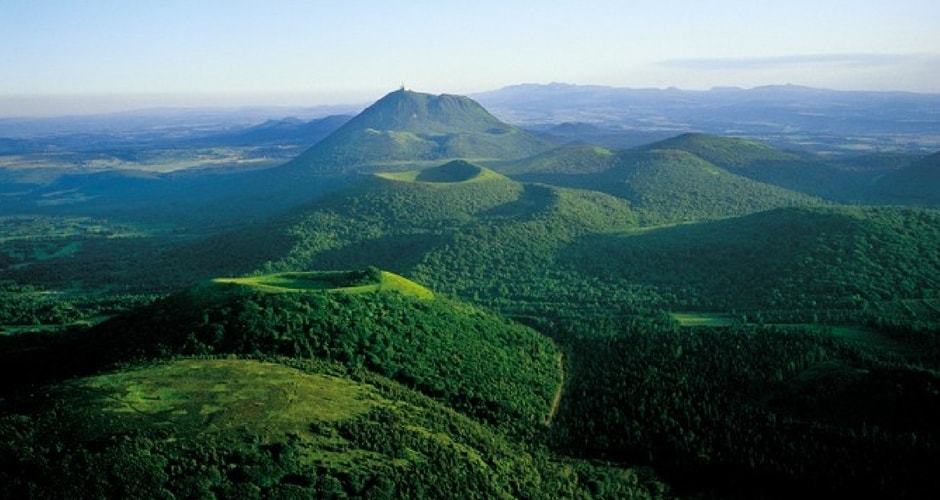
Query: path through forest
x=556, y=402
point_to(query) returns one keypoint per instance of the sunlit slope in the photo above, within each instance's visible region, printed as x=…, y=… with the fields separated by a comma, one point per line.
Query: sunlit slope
x=371, y=280
x=801, y=172
x=235, y=428
x=675, y=186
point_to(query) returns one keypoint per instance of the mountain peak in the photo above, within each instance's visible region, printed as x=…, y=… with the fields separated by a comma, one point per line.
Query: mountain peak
x=417, y=112
x=409, y=126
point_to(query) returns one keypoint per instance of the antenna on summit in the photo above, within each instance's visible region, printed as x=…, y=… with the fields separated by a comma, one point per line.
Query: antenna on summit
x=402, y=87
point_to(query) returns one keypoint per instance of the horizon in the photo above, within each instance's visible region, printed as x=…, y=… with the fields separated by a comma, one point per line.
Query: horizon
x=76, y=106
x=104, y=55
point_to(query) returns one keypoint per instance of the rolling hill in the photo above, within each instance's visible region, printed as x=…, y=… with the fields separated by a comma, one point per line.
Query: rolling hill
x=845, y=260
x=801, y=172
x=664, y=183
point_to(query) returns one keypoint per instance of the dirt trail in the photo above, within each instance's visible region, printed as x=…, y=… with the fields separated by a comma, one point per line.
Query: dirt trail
x=556, y=402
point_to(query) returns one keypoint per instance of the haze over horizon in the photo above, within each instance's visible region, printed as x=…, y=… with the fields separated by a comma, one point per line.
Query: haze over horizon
x=101, y=56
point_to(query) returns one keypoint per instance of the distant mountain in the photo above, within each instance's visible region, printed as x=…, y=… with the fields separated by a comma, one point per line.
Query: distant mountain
x=837, y=121
x=917, y=184
x=281, y=131
x=406, y=126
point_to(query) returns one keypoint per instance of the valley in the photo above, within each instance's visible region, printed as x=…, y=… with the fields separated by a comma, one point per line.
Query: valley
x=422, y=299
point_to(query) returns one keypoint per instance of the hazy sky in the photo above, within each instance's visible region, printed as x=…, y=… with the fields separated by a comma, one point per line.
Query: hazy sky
x=122, y=53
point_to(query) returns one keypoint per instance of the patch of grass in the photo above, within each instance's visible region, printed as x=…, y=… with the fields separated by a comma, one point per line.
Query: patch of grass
x=702, y=319
x=331, y=281
x=192, y=396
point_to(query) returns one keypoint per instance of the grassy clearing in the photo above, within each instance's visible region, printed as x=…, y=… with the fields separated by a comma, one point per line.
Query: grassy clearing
x=331, y=281
x=702, y=319
x=193, y=396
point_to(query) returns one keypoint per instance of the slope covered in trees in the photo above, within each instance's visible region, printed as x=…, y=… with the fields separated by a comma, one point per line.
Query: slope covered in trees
x=798, y=259
x=478, y=363
x=242, y=428
x=917, y=184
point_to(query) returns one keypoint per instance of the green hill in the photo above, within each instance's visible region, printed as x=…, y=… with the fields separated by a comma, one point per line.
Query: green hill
x=917, y=184
x=489, y=238
x=577, y=159
x=387, y=220
x=798, y=259
x=409, y=127
x=731, y=153
x=666, y=185
x=236, y=428
x=798, y=172
x=478, y=363
x=669, y=181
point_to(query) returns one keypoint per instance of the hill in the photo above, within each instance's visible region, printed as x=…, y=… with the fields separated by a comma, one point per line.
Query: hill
x=241, y=428
x=802, y=172
x=573, y=159
x=388, y=219
x=487, y=238
x=840, y=260
x=917, y=184
x=686, y=178
x=667, y=185
x=455, y=171
x=477, y=363
x=409, y=127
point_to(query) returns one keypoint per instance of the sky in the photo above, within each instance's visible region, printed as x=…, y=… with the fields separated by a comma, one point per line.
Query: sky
x=81, y=56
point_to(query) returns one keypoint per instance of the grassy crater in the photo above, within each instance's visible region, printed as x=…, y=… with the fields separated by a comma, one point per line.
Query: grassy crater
x=364, y=281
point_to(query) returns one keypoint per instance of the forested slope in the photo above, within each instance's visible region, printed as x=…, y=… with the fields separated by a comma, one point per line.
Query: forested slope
x=798, y=259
